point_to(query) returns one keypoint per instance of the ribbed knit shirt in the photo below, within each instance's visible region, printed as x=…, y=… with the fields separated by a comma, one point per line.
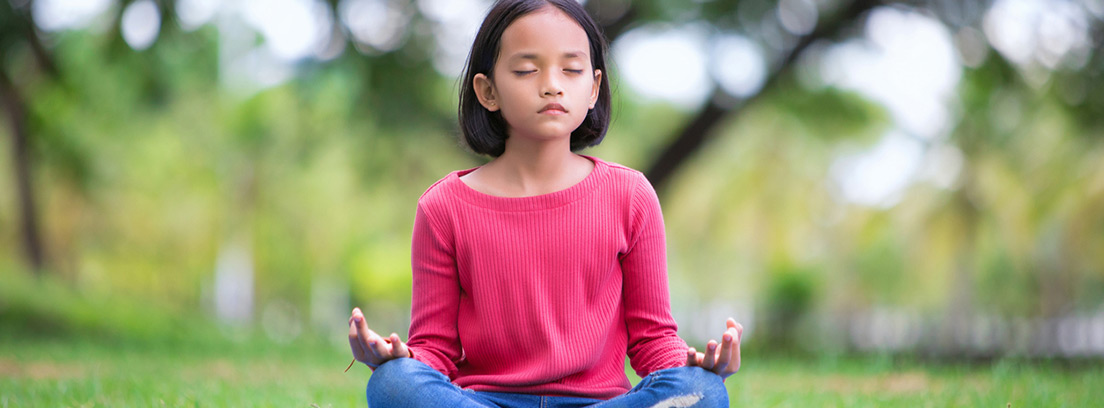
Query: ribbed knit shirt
x=545, y=294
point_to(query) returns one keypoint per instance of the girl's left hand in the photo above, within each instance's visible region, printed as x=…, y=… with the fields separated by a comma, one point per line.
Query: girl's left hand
x=726, y=360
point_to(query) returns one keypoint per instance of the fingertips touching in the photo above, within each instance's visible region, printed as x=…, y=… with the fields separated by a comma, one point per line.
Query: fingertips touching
x=731, y=335
x=380, y=347
x=369, y=342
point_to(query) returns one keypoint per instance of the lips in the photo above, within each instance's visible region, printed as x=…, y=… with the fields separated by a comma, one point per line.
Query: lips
x=553, y=107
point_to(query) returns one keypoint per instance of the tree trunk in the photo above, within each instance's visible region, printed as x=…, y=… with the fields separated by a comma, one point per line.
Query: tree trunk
x=21, y=159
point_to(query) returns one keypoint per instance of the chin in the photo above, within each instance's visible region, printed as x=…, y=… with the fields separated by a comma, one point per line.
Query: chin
x=553, y=130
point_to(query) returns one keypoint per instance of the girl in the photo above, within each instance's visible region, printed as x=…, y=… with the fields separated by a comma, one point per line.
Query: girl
x=535, y=274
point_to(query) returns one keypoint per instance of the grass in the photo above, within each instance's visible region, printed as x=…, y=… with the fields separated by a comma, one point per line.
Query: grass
x=61, y=348
x=57, y=372
x=51, y=372
x=884, y=381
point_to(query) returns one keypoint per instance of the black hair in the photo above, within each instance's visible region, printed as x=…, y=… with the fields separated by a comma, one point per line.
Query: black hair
x=483, y=131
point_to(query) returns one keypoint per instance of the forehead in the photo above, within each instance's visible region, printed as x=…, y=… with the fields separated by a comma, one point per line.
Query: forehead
x=545, y=33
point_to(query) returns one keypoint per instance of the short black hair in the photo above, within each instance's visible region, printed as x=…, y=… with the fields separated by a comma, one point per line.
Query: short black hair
x=483, y=131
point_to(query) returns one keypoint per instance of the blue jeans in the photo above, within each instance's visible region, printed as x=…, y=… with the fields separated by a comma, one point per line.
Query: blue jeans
x=407, y=382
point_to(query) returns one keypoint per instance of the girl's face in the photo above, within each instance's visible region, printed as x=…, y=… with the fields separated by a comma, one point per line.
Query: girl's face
x=543, y=60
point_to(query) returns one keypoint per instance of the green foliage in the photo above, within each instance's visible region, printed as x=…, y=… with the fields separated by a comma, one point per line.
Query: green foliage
x=832, y=114
x=50, y=308
x=879, y=268
x=1003, y=286
x=788, y=300
x=790, y=294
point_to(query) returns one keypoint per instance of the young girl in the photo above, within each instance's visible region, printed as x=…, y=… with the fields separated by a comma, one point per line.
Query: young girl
x=535, y=274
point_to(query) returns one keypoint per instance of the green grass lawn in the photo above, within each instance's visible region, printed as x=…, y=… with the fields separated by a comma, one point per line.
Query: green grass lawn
x=62, y=348
x=52, y=373
x=45, y=372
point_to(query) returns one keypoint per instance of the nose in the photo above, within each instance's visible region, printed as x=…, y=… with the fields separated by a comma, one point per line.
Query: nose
x=551, y=85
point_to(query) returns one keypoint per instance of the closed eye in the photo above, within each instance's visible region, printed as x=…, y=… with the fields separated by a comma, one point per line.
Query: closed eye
x=524, y=72
x=574, y=71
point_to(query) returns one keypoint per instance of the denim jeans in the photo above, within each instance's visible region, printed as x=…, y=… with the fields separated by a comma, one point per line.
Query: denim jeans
x=407, y=382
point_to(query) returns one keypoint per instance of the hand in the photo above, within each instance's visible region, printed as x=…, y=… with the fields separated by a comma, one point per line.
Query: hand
x=725, y=361
x=368, y=347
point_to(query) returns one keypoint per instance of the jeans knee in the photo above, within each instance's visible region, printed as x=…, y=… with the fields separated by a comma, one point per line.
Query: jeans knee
x=698, y=387
x=708, y=380
x=397, y=371
x=391, y=380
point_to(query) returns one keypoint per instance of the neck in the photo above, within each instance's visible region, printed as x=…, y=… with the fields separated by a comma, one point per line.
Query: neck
x=530, y=167
x=536, y=158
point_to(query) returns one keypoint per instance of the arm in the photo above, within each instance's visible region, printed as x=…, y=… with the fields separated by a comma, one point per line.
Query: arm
x=653, y=335
x=435, y=298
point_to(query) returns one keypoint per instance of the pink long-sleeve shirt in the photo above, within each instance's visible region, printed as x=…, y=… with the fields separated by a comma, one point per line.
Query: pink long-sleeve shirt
x=546, y=294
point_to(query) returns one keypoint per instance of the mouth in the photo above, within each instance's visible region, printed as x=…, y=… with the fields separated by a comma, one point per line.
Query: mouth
x=553, y=109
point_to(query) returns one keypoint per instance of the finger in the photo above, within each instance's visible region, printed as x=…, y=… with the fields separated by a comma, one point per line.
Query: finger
x=733, y=356
x=710, y=355
x=735, y=366
x=356, y=312
x=382, y=348
x=398, y=349
x=354, y=343
x=691, y=357
x=369, y=341
x=726, y=351
x=359, y=336
x=700, y=357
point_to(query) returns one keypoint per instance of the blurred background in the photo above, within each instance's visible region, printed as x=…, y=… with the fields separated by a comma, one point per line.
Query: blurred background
x=922, y=177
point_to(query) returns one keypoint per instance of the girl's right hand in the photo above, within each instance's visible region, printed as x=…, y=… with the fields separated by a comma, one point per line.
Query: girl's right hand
x=368, y=347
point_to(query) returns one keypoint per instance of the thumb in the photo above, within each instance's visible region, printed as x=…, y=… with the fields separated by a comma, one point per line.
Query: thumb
x=398, y=348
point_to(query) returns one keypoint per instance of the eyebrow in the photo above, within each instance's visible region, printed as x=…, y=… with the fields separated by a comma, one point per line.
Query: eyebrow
x=531, y=56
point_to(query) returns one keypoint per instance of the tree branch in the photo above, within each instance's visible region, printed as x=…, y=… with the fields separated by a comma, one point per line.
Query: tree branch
x=26, y=27
x=720, y=106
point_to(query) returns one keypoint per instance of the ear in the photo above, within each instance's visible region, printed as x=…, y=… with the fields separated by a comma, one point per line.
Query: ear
x=485, y=91
x=597, y=87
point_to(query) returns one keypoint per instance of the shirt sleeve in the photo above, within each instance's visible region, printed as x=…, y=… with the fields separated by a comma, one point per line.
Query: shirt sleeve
x=435, y=297
x=653, y=334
